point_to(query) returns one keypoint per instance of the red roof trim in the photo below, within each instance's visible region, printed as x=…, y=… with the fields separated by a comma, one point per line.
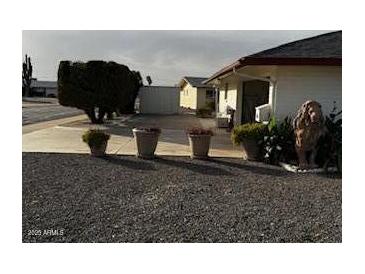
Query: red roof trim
x=224, y=70
x=292, y=61
x=277, y=61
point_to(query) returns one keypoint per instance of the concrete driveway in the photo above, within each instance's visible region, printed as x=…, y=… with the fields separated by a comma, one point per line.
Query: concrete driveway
x=66, y=137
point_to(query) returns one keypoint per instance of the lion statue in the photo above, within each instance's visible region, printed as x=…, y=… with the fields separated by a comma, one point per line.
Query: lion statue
x=308, y=128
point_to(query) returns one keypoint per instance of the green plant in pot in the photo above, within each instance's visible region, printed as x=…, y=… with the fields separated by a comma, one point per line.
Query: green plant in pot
x=199, y=141
x=97, y=140
x=248, y=136
x=146, y=141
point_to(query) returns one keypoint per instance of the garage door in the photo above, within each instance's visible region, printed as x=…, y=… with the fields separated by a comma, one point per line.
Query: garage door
x=159, y=100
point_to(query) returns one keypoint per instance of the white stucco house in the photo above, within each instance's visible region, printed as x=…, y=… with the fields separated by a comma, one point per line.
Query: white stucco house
x=275, y=82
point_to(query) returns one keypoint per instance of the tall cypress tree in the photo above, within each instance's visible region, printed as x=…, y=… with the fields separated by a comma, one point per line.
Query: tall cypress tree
x=27, y=75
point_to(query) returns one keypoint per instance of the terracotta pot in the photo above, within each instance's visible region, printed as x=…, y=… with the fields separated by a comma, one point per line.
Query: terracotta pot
x=250, y=149
x=199, y=146
x=146, y=143
x=98, y=151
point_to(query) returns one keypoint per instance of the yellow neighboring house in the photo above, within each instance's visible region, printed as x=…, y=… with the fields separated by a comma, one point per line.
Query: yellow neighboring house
x=194, y=94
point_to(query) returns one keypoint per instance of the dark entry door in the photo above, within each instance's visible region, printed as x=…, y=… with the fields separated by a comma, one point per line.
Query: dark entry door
x=255, y=93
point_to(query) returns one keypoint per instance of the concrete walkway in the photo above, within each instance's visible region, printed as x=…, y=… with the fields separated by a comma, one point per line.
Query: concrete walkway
x=64, y=136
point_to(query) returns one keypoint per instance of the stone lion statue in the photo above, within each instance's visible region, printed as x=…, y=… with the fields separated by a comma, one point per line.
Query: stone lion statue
x=308, y=128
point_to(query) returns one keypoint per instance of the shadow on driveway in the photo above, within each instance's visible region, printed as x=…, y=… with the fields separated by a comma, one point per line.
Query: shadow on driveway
x=138, y=164
x=262, y=170
x=195, y=167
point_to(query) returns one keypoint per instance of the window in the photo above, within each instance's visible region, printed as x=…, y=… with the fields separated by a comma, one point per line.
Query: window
x=209, y=94
x=226, y=91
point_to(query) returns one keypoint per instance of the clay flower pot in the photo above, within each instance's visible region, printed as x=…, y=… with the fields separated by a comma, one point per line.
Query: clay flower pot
x=250, y=149
x=146, y=141
x=248, y=135
x=98, y=151
x=199, y=141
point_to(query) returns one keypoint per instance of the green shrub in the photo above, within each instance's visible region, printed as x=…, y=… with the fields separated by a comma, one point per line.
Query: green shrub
x=253, y=131
x=330, y=145
x=278, y=144
x=199, y=131
x=95, y=137
x=98, y=87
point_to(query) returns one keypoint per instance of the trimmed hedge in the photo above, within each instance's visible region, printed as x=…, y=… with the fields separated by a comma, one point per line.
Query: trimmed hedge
x=107, y=86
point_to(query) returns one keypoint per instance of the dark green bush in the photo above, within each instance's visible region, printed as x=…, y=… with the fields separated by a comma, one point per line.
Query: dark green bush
x=95, y=137
x=278, y=144
x=254, y=131
x=330, y=145
x=98, y=87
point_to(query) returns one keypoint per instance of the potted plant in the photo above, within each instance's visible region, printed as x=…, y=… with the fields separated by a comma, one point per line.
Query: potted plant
x=199, y=141
x=248, y=136
x=146, y=141
x=97, y=140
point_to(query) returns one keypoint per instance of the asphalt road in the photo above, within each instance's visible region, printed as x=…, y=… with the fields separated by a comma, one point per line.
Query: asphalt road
x=34, y=113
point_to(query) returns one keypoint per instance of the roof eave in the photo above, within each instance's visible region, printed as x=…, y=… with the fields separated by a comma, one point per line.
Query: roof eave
x=298, y=61
x=275, y=61
x=223, y=71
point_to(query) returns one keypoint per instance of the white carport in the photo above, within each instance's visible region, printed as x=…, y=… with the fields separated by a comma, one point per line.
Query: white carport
x=159, y=100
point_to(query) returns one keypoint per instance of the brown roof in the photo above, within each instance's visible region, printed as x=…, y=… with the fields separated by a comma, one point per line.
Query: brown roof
x=323, y=50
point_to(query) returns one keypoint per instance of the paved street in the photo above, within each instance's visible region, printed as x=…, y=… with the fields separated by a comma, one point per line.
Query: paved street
x=38, y=112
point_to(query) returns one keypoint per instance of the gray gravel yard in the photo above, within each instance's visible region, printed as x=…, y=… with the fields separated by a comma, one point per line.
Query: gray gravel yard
x=78, y=198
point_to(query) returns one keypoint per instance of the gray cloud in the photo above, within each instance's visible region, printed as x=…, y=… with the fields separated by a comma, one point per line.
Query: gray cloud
x=165, y=55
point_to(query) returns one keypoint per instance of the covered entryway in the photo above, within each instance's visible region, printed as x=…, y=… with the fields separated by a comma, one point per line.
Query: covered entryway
x=158, y=100
x=254, y=93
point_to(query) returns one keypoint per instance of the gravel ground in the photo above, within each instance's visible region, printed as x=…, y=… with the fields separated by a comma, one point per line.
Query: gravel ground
x=77, y=198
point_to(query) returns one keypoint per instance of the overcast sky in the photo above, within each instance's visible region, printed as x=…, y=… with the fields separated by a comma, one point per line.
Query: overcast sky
x=166, y=56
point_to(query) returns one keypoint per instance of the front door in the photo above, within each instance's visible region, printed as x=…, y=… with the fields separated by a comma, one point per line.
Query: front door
x=255, y=93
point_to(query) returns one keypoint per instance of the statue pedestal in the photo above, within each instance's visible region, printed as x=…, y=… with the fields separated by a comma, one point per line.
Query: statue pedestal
x=296, y=169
